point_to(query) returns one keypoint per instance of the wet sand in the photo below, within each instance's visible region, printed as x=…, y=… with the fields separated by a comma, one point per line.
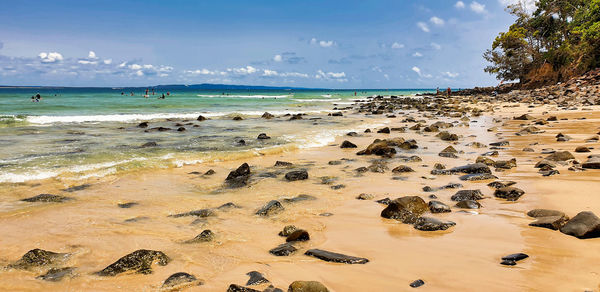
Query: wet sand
x=465, y=257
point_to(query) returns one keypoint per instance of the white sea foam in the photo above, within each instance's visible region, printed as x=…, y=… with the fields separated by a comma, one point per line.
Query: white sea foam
x=245, y=96
x=315, y=99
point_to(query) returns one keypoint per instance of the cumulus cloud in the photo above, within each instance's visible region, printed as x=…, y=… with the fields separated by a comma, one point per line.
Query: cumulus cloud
x=322, y=43
x=417, y=55
x=423, y=26
x=437, y=21
x=87, y=62
x=278, y=58
x=205, y=71
x=337, y=76
x=107, y=61
x=450, y=74
x=397, y=45
x=92, y=55
x=273, y=73
x=478, y=7
x=243, y=70
x=459, y=5
x=50, y=57
x=436, y=46
x=420, y=73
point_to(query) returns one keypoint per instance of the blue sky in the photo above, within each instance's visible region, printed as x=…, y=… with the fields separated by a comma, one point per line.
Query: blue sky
x=333, y=44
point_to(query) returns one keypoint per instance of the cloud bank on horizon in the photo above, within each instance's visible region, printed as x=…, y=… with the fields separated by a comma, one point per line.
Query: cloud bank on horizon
x=336, y=44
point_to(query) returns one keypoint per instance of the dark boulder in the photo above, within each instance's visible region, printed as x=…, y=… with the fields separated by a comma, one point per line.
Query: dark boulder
x=298, y=235
x=198, y=213
x=432, y=224
x=468, y=204
x=438, y=207
x=139, y=261
x=406, y=209
x=149, y=144
x=180, y=280
x=267, y=116
x=239, y=177
x=417, y=283
x=205, y=236
x=509, y=193
x=560, y=156
x=296, y=175
x=256, y=278
x=271, y=208
x=584, y=225
x=477, y=177
x=550, y=222
x=335, y=257
x=263, y=136
x=307, y=286
x=464, y=195
x=285, y=249
x=39, y=258
x=348, y=144
x=471, y=168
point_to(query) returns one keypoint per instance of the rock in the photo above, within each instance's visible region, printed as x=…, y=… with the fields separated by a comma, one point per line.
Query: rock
x=582, y=149
x=485, y=160
x=439, y=166
x=550, y=222
x=47, y=198
x=380, y=148
x=283, y=163
x=468, y=204
x=477, y=177
x=57, y=274
x=205, y=236
x=527, y=149
x=545, y=164
x=592, y=163
x=385, y=130
x=299, y=198
x=378, y=166
x=560, y=156
x=348, y=144
x=406, y=209
x=446, y=136
x=180, y=280
x=535, y=213
x=38, y=258
x=267, y=116
x=285, y=249
x=237, y=118
x=352, y=134
x=500, y=143
x=263, y=136
x=272, y=288
x=384, y=201
x=149, y=144
x=287, y=230
x=139, y=261
x=298, y=235
x=515, y=257
x=447, y=155
x=438, y=207
x=143, y=125
x=198, y=213
x=500, y=184
x=508, y=263
x=77, y=188
x=506, y=164
x=417, y=283
x=238, y=288
x=524, y=117
x=180, y=129
x=209, y=172
x=432, y=224
x=449, y=149
x=307, y=286
x=471, y=168
x=464, y=195
x=296, y=175
x=509, y=193
x=271, y=208
x=239, y=177
x=256, y=278
x=365, y=197
x=335, y=257
x=584, y=225
x=127, y=205
x=403, y=169
x=201, y=118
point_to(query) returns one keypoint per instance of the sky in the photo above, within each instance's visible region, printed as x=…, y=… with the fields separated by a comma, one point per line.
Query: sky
x=310, y=43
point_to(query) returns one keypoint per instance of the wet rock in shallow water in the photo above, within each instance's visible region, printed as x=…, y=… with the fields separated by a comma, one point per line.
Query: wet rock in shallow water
x=201, y=118
x=428, y=189
x=239, y=288
x=384, y=201
x=446, y=136
x=449, y=149
x=38, y=258
x=180, y=129
x=500, y=184
x=432, y=224
x=535, y=213
x=549, y=172
x=136, y=219
x=378, y=166
x=335, y=257
x=592, y=163
x=545, y=164
x=128, y=205
x=490, y=153
x=307, y=286
x=583, y=225
x=508, y=263
x=57, y=274
x=287, y=230
x=180, y=280
x=515, y=257
x=464, y=195
x=550, y=222
x=524, y=117
x=237, y=118
x=447, y=155
x=364, y=197
x=143, y=125
x=283, y=163
x=361, y=169
x=272, y=288
x=477, y=177
x=582, y=149
x=471, y=168
x=468, y=204
x=348, y=144
x=385, y=130
x=509, y=193
x=267, y=116
x=285, y=249
x=406, y=209
x=77, y=188
x=239, y=177
x=296, y=175
x=209, y=172
x=438, y=207
x=197, y=213
x=298, y=235
x=417, y=283
x=139, y=261
x=228, y=205
x=299, y=198
x=439, y=166
x=403, y=169
x=205, y=236
x=560, y=156
x=337, y=187
x=506, y=164
x=149, y=144
x=256, y=278
x=527, y=149
x=500, y=143
x=263, y=136
x=47, y=198
x=485, y=160
x=271, y=208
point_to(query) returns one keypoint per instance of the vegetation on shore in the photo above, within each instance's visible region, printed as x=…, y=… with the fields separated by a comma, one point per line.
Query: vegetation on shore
x=557, y=41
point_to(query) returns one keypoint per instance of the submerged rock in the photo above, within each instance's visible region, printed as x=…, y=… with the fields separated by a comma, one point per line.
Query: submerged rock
x=560, y=156
x=127, y=205
x=298, y=235
x=509, y=193
x=477, y=176
x=335, y=257
x=239, y=177
x=47, y=198
x=285, y=249
x=432, y=224
x=307, y=286
x=406, y=209
x=500, y=184
x=299, y=198
x=550, y=222
x=296, y=175
x=468, y=204
x=38, y=258
x=197, y=213
x=438, y=207
x=239, y=288
x=464, y=195
x=139, y=261
x=180, y=280
x=271, y=208
x=348, y=144
x=287, y=230
x=256, y=278
x=205, y=236
x=57, y=274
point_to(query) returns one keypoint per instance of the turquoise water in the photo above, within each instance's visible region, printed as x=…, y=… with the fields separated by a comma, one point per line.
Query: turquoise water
x=81, y=133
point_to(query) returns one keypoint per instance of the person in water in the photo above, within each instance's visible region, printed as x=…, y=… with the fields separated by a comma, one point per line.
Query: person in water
x=449, y=91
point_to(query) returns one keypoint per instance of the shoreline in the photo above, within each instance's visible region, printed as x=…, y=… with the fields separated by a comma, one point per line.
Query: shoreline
x=92, y=227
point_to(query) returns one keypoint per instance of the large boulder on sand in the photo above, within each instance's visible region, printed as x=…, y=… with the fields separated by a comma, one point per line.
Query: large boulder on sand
x=406, y=209
x=583, y=225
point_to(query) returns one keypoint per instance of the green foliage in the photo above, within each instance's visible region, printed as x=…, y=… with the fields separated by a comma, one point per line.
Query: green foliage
x=563, y=35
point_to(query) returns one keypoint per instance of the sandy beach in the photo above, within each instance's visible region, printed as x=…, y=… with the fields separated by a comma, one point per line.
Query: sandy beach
x=95, y=232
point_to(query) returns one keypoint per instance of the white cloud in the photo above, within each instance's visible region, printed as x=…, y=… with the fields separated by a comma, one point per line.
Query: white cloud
x=326, y=44
x=436, y=46
x=478, y=7
x=205, y=72
x=418, y=71
x=92, y=55
x=51, y=57
x=397, y=45
x=417, y=55
x=450, y=74
x=529, y=5
x=135, y=67
x=122, y=65
x=340, y=77
x=278, y=58
x=273, y=73
x=107, y=61
x=87, y=62
x=243, y=70
x=386, y=76
x=139, y=73
x=423, y=26
x=269, y=73
x=437, y=21
x=459, y=5
x=313, y=41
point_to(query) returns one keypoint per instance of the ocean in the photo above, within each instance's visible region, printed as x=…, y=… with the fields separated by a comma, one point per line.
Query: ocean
x=81, y=133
